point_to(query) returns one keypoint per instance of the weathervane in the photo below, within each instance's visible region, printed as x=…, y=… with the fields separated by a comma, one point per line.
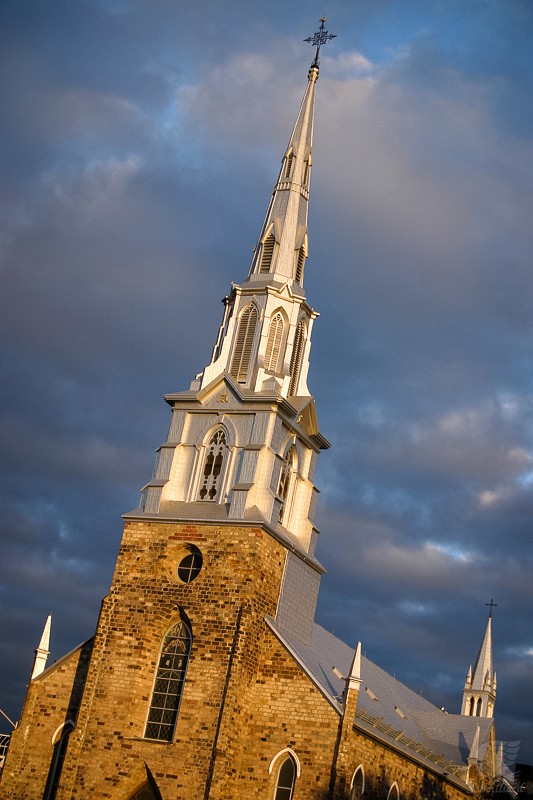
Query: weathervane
x=318, y=39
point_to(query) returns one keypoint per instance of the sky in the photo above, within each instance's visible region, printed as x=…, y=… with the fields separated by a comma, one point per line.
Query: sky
x=141, y=140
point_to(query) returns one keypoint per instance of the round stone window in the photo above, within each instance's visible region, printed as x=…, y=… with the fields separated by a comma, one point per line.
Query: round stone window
x=190, y=565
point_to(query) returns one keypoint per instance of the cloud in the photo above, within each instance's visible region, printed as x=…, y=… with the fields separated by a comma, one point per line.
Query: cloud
x=144, y=145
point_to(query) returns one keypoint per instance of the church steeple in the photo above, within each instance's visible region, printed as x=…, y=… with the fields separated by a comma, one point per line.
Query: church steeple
x=479, y=693
x=265, y=336
x=281, y=250
x=244, y=439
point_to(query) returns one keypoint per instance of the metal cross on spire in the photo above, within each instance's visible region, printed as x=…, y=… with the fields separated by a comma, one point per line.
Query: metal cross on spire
x=492, y=605
x=318, y=39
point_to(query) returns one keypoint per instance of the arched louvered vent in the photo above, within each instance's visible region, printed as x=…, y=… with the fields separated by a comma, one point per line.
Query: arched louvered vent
x=305, y=178
x=296, y=357
x=266, y=253
x=243, y=344
x=288, y=165
x=300, y=263
x=274, y=342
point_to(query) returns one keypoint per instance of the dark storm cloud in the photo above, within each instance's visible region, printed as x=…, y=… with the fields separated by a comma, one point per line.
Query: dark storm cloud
x=142, y=142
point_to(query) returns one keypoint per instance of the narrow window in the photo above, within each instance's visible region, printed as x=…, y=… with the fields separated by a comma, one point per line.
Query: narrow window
x=286, y=779
x=243, y=344
x=56, y=765
x=213, y=464
x=296, y=357
x=478, y=707
x=169, y=679
x=300, y=263
x=288, y=165
x=471, y=707
x=286, y=481
x=274, y=342
x=266, y=253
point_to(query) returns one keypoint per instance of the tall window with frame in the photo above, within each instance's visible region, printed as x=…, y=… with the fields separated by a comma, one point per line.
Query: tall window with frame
x=169, y=680
x=213, y=472
x=286, y=780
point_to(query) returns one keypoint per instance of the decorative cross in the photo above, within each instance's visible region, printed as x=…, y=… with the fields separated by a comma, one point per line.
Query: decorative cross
x=492, y=605
x=318, y=39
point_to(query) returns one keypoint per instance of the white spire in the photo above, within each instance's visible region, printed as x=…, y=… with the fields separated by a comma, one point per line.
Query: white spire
x=281, y=250
x=43, y=650
x=264, y=340
x=479, y=693
x=353, y=681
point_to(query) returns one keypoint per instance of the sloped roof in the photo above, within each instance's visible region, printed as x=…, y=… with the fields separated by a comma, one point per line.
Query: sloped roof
x=387, y=708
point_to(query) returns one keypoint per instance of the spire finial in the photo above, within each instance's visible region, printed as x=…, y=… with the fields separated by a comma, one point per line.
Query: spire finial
x=320, y=37
x=491, y=605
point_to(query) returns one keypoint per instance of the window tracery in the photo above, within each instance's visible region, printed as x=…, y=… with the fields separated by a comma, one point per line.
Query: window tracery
x=213, y=471
x=169, y=680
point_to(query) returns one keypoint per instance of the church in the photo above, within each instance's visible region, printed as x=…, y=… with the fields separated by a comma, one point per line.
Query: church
x=207, y=676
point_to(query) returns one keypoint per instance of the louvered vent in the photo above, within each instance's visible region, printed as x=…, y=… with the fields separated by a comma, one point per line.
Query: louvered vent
x=288, y=165
x=306, y=173
x=273, y=348
x=267, y=253
x=300, y=263
x=243, y=344
x=296, y=357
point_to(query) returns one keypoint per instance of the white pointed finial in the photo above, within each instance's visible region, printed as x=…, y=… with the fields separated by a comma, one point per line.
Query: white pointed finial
x=354, y=679
x=43, y=650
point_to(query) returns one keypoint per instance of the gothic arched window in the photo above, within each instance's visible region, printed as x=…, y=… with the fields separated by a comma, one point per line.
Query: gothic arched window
x=286, y=780
x=273, y=354
x=296, y=357
x=244, y=342
x=471, y=707
x=478, y=707
x=358, y=783
x=394, y=792
x=168, y=686
x=58, y=757
x=213, y=473
x=287, y=478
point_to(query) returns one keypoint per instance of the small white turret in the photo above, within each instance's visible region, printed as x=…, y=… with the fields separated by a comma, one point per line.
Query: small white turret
x=43, y=650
